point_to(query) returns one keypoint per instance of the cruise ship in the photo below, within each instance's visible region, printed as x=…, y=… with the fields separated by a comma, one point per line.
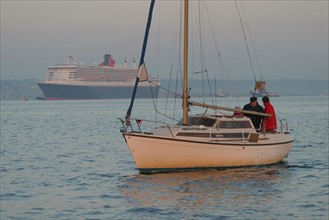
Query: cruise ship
x=107, y=80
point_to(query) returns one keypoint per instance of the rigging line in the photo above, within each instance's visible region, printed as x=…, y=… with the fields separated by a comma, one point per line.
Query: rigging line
x=201, y=49
x=159, y=112
x=155, y=106
x=179, y=70
x=202, y=55
x=174, y=112
x=211, y=94
x=203, y=62
x=215, y=69
x=168, y=87
x=245, y=39
x=177, y=35
x=215, y=89
x=202, y=71
x=204, y=113
x=251, y=40
x=158, y=51
x=220, y=59
x=167, y=90
x=191, y=40
x=154, y=97
x=179, y=48
x=167, y=116
x=154, y=103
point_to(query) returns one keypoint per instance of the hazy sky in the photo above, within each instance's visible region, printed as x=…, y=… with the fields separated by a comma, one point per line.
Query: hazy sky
x=291, y=37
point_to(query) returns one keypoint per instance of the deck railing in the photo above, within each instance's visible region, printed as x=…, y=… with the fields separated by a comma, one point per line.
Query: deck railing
x=134, y=125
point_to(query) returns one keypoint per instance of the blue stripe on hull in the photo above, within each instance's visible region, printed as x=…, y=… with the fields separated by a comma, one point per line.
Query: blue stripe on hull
x=54, y=91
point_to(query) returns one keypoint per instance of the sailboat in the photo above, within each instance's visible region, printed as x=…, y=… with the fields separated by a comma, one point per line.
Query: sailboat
x=222, y=94
x=200, y=141
x=260, y=90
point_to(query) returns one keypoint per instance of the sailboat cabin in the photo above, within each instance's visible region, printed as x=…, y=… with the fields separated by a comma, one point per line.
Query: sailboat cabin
x=216, y=121
x=209, y=128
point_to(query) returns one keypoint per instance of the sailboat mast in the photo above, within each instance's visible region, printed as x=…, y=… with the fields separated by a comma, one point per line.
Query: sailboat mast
x=141, y=62
x=185, y=95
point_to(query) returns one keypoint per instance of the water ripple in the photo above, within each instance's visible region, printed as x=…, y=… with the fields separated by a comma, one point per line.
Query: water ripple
x=67, y=160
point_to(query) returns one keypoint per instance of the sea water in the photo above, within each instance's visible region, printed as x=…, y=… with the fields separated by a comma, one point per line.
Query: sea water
x=68, y=160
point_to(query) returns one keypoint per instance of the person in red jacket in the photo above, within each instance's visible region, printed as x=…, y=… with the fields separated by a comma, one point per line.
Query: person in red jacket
x=269, y=124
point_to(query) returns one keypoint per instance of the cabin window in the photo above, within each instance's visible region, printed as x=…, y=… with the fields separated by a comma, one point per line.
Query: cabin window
x=190, y=134
x=213, y=135
x=234, y=124
x=207, y=122
x=235, y=135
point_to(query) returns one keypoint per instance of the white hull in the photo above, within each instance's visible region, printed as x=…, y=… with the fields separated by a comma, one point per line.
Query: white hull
x=152, y=153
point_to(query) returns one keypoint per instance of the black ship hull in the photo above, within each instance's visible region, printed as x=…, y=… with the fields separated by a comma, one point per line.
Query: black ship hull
x=80, y=92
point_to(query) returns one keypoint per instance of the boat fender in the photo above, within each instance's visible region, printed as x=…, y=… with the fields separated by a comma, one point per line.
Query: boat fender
x=202, y=127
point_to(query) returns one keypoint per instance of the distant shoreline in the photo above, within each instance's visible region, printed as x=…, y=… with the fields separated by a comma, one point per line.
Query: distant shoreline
x=27, y=88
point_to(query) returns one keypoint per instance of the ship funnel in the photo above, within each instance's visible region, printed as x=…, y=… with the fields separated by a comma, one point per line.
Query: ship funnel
x=108, y=61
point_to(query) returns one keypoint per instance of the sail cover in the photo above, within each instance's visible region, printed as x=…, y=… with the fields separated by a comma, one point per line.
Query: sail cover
x=142, y=73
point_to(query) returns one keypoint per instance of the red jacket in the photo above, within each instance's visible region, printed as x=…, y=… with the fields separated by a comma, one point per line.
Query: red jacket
x=270, y=122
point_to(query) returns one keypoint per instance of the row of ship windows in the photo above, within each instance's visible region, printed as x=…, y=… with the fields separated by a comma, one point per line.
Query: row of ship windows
x=90, y=73
x=87, y=78
x=87, y=74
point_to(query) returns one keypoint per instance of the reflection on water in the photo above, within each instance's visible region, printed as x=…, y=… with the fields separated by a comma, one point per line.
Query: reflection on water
x=229, y=189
